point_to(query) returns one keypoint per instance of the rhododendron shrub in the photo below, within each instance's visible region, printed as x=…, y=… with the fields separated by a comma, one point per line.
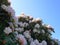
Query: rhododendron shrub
x=23, y=30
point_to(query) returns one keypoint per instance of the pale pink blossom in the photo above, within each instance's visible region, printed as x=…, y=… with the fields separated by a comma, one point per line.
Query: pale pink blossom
x=7, y=30
x=9, y=9
x=27, y=34
x=44, y=42
x=22, y=39
x=37, y=26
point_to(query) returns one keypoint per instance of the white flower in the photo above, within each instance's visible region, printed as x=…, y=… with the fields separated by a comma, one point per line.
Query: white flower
x=40, y=43
x=9, y=0
x=23, y=15
x=44, y=42
x=37, y=26
x=50, y=29
x=27, y=34
x=11, y=10
x=4, y=7
x=19, y=29
x=21, y=24
x=48, y=26
x=30, y=21
x=8, y=9
x=22, y=38
x=25, y=24
x=32, y=43
x=34, y=20
x=36, y=42
x=30, y=17
x=7, y=30
x=34, y=30
x=16, y=29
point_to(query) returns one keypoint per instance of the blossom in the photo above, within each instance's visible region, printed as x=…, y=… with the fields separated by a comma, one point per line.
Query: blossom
x=40, y=43
x=16, y=29
x=32, y=43
x=37, y=26
x=19, y=29
x=9, y=9
x=36, y=42
x=44, y=42
x=7, y=30
x=48, y=26
x=23, y=15
x=30, y=17
x=21, y=24
x=9, y=0
x=34, y=20
x=34, y=30
x=25, y=24
x=27, y=34
x=22, y=39
x=38, y=19
x=4, y=7
x=30, y=21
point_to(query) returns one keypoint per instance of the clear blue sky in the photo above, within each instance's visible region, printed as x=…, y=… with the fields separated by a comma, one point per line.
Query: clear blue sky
x=48, y=10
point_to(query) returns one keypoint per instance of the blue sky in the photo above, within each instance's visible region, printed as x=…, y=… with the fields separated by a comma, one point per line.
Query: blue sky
x=48, y=10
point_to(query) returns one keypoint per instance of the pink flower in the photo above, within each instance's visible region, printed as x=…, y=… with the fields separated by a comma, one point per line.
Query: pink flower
x=22, y=39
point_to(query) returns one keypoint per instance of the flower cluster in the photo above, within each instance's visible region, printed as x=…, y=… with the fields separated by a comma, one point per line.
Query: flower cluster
x=7, y=30
x=36, y=42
